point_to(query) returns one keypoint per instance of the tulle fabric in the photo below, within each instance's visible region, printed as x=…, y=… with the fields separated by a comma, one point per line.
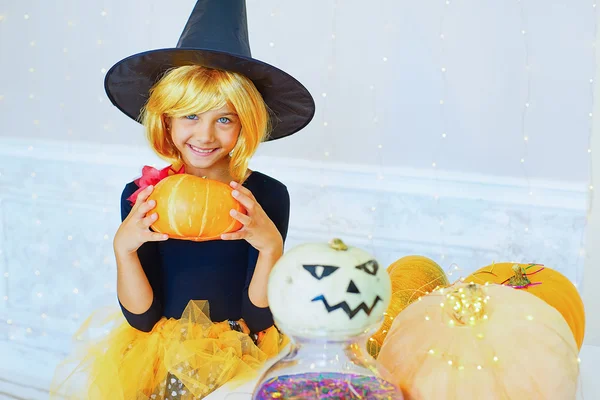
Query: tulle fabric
x=186, y=358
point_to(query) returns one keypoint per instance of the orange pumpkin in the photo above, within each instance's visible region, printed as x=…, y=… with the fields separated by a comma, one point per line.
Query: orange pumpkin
x=472, y=342
x=543, y=282
x=194, y=208
x=412, y=277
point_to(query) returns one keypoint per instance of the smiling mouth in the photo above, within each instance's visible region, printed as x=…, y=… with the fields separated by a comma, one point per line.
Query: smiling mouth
x=201, y=151
x=344, y=306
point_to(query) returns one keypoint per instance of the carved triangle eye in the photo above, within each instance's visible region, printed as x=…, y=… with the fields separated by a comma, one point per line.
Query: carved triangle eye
x=320, y=271
x=370, y=267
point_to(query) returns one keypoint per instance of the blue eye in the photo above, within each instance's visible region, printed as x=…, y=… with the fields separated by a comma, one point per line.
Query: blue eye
x=224, y=120
x=193, y=116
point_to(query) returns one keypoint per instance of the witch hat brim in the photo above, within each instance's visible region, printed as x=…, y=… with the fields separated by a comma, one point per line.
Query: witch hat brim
x=215, y=36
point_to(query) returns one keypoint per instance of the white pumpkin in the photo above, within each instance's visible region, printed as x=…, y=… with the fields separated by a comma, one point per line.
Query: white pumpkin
x=328, y=290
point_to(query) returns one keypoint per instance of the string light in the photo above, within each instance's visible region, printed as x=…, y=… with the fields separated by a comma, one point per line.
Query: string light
x=581, y=253
x=328, y=141
x=440, y=143
x=527, y=106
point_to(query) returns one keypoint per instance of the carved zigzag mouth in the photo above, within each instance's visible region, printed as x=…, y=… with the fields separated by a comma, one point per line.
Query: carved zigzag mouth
x=344, y=306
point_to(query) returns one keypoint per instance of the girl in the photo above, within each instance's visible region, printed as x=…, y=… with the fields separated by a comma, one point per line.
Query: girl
x=196, y=313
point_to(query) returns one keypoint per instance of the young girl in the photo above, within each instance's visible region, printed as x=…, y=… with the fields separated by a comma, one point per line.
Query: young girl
x=196, y=313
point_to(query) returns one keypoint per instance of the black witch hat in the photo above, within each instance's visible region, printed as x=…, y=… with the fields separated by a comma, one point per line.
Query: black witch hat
x=215, y=36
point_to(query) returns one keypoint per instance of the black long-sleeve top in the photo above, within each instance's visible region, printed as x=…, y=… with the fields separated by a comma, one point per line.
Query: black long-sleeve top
x=218, y=271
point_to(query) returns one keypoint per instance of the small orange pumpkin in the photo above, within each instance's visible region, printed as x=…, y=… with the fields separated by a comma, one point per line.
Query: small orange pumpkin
x=412, y=277
x=543, y=282
x=194, y=208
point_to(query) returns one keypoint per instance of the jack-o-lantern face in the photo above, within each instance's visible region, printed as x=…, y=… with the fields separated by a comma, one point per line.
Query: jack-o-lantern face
x=328, y=290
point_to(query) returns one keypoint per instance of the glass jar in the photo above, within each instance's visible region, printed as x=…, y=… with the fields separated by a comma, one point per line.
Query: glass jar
x=318, y=368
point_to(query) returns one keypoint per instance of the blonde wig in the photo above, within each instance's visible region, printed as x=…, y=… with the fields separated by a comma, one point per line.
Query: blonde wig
x=194, y=89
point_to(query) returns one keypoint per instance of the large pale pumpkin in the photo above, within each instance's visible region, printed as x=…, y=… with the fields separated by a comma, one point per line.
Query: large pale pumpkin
x=543, y=282
x=411, y=277
x=472, y=341
x=194, y=208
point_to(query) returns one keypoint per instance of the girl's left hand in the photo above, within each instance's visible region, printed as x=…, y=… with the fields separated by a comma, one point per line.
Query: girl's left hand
x=258, y=229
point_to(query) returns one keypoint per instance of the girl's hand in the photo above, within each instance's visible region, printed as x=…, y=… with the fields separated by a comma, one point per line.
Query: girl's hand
x=258, y=229
x=135, y=229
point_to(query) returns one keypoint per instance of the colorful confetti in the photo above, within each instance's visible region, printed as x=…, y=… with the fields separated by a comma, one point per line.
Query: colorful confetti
x=333, y=386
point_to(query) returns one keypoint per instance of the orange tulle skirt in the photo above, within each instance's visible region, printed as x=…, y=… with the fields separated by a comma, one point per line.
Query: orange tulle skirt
x=184, y=359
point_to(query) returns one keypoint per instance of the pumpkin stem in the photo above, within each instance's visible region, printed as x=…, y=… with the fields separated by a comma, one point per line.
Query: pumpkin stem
x=338, y=244
x=519, y=278
x=466, y=305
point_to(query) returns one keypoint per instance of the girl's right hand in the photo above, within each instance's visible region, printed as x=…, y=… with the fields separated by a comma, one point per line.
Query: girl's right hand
x=135, y=229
